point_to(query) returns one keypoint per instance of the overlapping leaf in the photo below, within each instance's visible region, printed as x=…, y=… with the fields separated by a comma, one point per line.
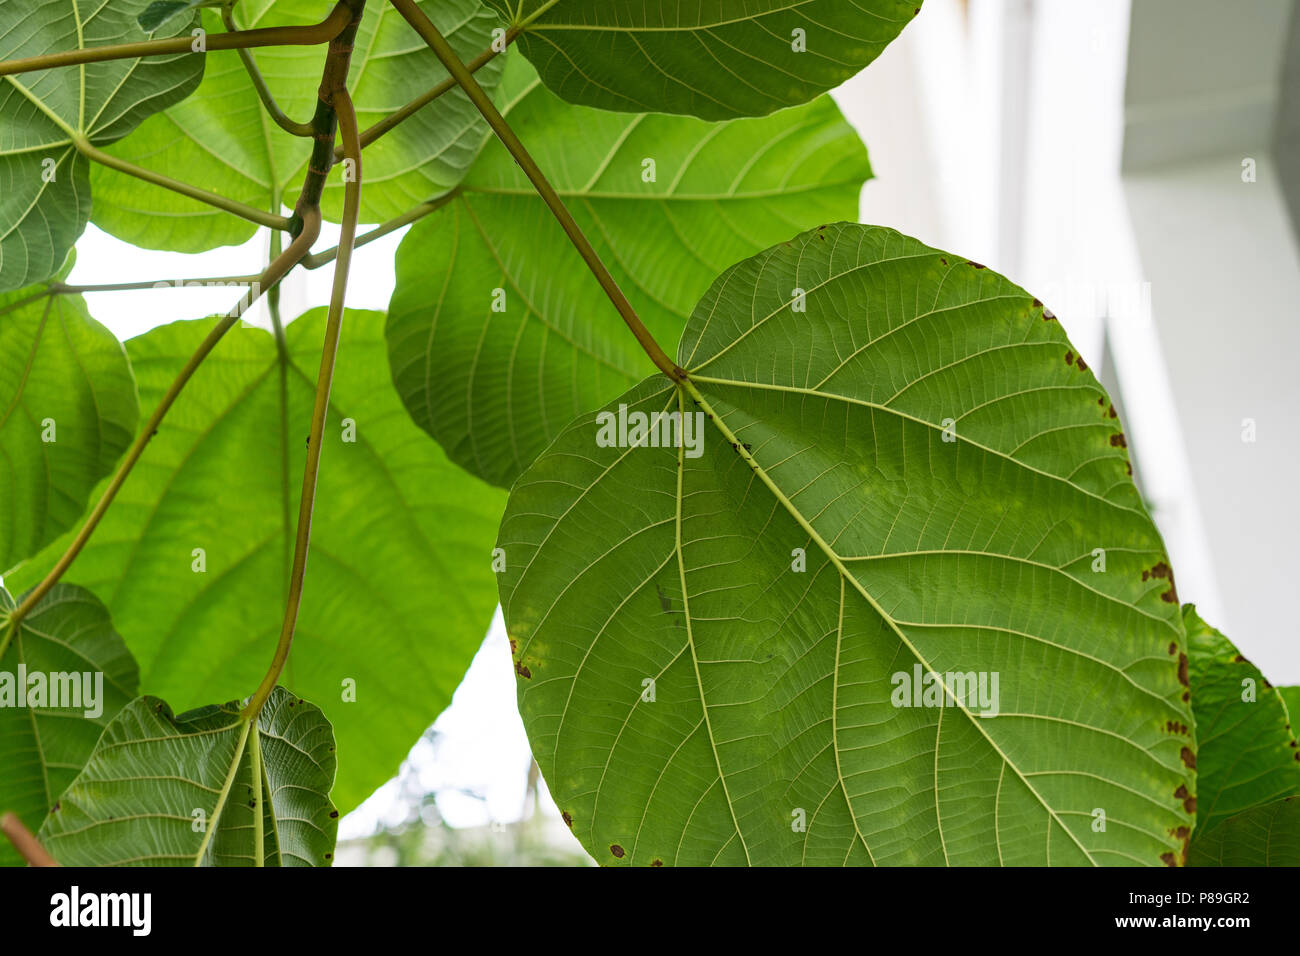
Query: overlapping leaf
x=907, y=476
x=1247, y=752
x=1267, y=835
x=67, y=412
x=717, y=59
x=222, y=139
x=495, y=386
x=121, y=811
x=84, y=675
x=193, y=557
x=44, y=188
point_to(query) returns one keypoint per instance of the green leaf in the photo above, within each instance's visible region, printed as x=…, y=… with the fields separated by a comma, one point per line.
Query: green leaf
x=399, y=588
x=67, y=412
x=1247, y=752
x=1267, y=835
x=716, y=60
x=494, y=387
x=120, y=811
x=44, y=746
x=1291, y=700
x=221, y=137
x=160, y=11
x=713, y=641
x=45, y=197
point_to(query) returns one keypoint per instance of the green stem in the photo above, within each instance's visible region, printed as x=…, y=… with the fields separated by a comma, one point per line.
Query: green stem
x=273, y=274
x=255, y=765
x=393, y=119
x=61, y=288
x=243, y=210
x=321, y=32
x=341, y=105
x=318, y=259
x=442, y=49
x=282, y=120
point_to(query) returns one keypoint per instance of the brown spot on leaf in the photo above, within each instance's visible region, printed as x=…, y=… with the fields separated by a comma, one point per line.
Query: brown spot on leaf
x=656, y=862
x=1128, y=468
x=975, y=265
x=1169, y=859
x=943, y=260
x=1118, y=440
x=1111, y=412
x=1239, y=659
x=514, y=645
x=1174, y=727
x=523, y=671
x=1083, y=366
x=1069, y=358
x=1189, y=802
x=1173, y=645
x=1160, y=569
x=334, y=814
x=567, y=818
x=618, y=851
x=1049, y=315
x=1189, y=758
x=1182, y=670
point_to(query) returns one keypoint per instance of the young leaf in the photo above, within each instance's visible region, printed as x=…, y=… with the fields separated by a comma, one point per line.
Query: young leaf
x=904, y=477
x=222, y=138
x=67, y=412
x=1247, y=753
x=716, y=60
x=121, y=811
x=669, y=202
x=1267, y=835
x=45, y=201
x=193, y=557
x=68, y=640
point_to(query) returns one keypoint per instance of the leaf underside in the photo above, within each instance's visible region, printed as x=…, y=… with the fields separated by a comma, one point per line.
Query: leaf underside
x=44, y=183
x=494, y=386
x=121, y=811
x=193, y=557
x=771, y=733
x=68, y=410
x=43, y=747
x=715, y=60
x=1247, y=754
x=222, y=139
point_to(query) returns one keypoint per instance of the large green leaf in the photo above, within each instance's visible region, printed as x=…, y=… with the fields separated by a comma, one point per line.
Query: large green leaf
x=123, y=811
x=67, y=412
x=1247, y=753
x=717, y=59
x=494, y=387
x=44, y=189
x=712, y=650
x=1267, y=835
x=45, y=742
x=399, y=584
x=222, y=139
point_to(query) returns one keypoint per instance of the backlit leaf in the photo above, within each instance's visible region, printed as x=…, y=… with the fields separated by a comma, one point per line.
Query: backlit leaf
x=46, y=741
x=120, y=811
x=67, y=412
x=495, y=376
x=906, y=478
x=44, y=187
x=193, y=557
x=222, y=139
x=716, y=59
